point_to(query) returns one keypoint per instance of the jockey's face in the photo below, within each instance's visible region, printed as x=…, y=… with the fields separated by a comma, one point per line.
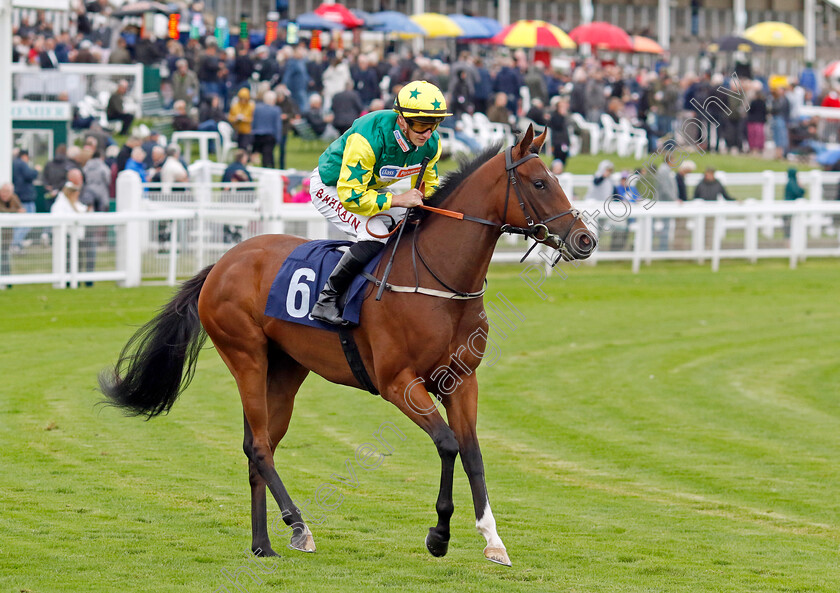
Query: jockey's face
x=418, y=139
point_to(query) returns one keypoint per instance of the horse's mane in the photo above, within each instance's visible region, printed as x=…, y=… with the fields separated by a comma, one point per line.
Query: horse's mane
x=453, y=179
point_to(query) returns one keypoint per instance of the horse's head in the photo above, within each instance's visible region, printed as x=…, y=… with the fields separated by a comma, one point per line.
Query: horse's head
x=535, y=202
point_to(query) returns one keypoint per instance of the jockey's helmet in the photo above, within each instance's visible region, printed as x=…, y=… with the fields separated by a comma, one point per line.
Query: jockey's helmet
x=421, y=101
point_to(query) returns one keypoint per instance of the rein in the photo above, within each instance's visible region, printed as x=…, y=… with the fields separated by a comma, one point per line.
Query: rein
x=537, y=231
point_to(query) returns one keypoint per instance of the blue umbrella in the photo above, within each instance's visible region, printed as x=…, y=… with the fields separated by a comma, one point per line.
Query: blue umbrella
x=391, y=21
x=473, y=29
x=310, y=20
x=492, y=25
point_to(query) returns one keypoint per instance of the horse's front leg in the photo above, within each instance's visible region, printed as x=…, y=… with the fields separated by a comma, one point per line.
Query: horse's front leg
x=409, y=395
x=461, y=410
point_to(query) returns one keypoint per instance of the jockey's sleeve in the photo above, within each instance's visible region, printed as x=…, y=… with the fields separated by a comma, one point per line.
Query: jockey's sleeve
x=430, y=178
x=357, y=164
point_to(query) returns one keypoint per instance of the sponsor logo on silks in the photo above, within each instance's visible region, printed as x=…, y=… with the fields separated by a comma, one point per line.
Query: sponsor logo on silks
x=394, y=172
x=401, y=141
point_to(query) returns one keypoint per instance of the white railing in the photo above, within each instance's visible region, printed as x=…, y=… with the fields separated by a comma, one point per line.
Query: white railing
x=78, y=81
x=162, y=233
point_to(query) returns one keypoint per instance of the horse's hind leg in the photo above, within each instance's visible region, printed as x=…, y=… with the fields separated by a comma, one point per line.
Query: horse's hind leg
x=244, y=349
x=284, y=379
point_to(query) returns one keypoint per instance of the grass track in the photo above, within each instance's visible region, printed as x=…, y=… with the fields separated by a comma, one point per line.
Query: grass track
x=674, y=430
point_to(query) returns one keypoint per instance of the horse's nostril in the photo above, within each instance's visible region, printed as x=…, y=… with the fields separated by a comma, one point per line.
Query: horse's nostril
x=585, y=243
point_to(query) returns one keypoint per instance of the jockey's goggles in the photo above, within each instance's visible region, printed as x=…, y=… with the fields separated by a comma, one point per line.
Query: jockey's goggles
x=421, y=127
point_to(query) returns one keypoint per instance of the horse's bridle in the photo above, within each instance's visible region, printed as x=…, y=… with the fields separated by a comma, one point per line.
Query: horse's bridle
x=536, y=231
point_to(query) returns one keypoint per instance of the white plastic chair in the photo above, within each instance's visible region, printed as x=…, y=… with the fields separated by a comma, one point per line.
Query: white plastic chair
x=611, y=133
x=593, y=129
x=228, y=145
x=635, y=140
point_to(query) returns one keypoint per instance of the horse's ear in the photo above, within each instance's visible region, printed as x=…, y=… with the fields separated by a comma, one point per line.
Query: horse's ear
x=539, y=140
x=525, y=144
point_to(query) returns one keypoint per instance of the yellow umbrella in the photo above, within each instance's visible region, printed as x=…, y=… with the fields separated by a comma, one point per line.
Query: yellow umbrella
x=437, y=25
x=775, y=34
x=534, y=34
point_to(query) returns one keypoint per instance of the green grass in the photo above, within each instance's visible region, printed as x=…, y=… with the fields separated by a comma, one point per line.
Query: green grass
x=674, y=430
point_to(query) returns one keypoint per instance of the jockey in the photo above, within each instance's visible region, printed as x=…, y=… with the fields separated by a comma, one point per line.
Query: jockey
x=349, y=186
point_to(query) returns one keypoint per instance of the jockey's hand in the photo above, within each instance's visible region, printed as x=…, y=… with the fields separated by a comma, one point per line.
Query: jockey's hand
x=411, y=198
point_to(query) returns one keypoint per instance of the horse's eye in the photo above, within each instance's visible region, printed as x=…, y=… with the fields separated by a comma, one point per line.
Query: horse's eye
x=539, y=184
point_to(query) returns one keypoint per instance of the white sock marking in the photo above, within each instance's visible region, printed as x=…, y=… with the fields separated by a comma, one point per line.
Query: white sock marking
x=487, y=527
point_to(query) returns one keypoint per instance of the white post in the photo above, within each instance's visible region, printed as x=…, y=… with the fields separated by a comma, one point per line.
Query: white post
x=664, y=24
x=59, y=255
x=5, y=91
x=270, y=196
x=504, y=13
x=815, y=196
x=75, y=231
x=173, y=252
x=419, y=8
x=751, y=233
x=810, y=31
x=586, y=12
x=129, y=256
x=740, y=10
x=768, y=196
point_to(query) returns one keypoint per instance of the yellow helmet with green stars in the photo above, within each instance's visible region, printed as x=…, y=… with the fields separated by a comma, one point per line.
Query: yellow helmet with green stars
x=421, y=101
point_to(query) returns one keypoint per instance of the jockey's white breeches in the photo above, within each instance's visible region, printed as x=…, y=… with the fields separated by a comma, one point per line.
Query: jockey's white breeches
x=325, y=199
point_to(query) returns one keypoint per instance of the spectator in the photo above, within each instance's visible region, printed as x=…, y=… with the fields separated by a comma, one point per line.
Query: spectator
x=316, y=118
x=184, y=83
x=120, y=54
x=47, y=58
x=347, y=106
x=302, y=196
x=266, y=67
x=9, y=203
x=68, y=202
x=483, y=86
x=684, y=169
x=460, y=93
x=535, y=81
x=793, y=191
x=135, y=163
x=116, y=107
x=559, y=125
x=710, y=188
x=602, y=188
x=290, y=114
x=537, y=114
x=241, y=117
x=173, y=170
x=780, y=120
x=666, y=191
x=55, y=173
x=237, y=171
x=181, y=121
x=95, y=192
x=367, y=82
x=508, y=81
x=499, y=111
x=296, y=78
x=124, y=155
x=23, y=177
x=243, y=66
x=336, y=78
x=208, y=71
x=267, y=127
x=557, y=167
x=756, y=119
x=158, y=157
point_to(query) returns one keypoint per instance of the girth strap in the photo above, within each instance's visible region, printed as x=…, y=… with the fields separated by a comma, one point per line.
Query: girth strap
x=354, y=359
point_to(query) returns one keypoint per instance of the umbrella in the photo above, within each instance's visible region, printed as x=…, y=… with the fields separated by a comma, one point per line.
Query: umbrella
x=491, y=25
x=310, y=20
x=141, y=8
x=437, y=25
x=601, y=35
x=533, y=34
x=832, y=70
x=775, y=34
x=473, y=28
x=646, y=45
x=390, y=21
x=732, y=43
x=338, y=13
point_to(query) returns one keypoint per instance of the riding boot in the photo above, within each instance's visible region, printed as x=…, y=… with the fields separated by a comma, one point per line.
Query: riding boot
x=349, y=266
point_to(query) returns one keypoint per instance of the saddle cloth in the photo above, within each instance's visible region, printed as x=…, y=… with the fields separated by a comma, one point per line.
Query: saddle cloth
x=297, y=285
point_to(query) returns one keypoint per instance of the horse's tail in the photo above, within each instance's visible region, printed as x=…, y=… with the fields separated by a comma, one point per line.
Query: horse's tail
x=158, y=362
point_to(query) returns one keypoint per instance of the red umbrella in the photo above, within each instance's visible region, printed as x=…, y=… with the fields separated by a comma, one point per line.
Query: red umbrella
x=601, y=35
x=338, y=13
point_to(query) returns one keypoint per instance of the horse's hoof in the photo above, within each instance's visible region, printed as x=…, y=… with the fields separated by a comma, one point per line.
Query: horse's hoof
x=263, y=552
x=303, y=542
x=436, y=545
x=497, y=555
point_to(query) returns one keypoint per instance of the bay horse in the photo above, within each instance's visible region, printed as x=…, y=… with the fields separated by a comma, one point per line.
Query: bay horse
x=402, y=339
